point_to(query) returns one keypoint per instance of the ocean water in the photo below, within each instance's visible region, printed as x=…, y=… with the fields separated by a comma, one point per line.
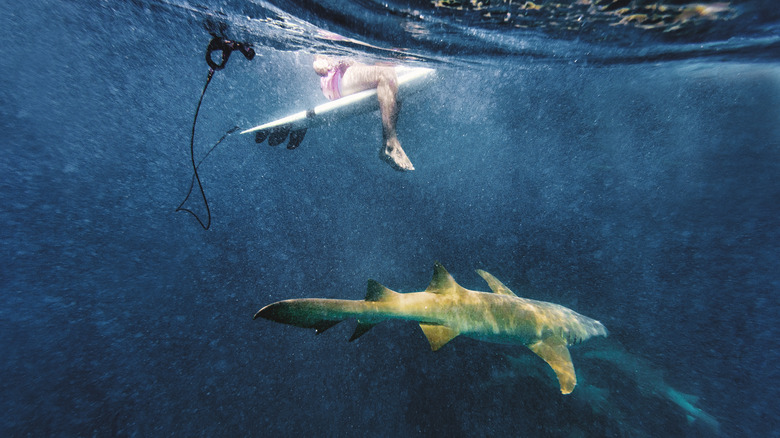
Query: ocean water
x=621, y=159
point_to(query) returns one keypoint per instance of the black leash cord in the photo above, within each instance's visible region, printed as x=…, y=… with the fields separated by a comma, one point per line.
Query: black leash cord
x=195, y=176
x=226, y=47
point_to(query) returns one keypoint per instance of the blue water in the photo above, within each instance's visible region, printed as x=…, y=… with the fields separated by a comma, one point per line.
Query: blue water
x=630, y=174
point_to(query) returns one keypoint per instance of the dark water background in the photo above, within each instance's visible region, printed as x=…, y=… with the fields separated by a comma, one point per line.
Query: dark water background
x=642, y=194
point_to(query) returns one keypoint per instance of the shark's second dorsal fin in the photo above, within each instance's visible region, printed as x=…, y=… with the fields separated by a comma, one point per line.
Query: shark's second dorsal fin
x=495, y=285
x=377, y=292
x=442, y=282
x=374, y=292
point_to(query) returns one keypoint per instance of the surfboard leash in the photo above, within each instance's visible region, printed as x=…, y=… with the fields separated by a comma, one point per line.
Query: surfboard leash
x=226, y=47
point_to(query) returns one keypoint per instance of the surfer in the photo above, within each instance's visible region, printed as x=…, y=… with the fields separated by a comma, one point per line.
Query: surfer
x=340, y=78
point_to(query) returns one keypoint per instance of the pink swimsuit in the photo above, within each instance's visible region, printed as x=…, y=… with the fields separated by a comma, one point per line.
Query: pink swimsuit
x=331, y=84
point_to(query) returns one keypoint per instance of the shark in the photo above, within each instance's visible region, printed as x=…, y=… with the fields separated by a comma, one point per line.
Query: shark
x=446, y=310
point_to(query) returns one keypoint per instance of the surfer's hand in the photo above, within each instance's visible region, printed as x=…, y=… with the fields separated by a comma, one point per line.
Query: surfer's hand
x=321, y=65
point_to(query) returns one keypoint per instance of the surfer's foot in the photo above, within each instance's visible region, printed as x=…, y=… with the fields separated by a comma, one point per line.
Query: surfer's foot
x=394, y=155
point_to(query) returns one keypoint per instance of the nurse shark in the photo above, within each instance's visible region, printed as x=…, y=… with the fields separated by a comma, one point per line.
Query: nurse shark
x=445, y=310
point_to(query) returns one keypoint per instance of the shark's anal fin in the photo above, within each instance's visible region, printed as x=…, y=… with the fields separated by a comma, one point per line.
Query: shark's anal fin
x=361, y=329
x=553, y=350
x=438, y=335
x=495, y=285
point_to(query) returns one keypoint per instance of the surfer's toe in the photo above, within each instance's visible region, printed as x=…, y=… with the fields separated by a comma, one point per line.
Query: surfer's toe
x=394, y=155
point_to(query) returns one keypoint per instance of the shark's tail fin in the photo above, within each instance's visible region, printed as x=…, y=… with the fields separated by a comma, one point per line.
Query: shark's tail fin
x=319, y=314
x=322, y=314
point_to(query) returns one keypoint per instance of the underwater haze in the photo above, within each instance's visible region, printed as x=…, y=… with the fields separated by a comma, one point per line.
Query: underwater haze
x=619, y=158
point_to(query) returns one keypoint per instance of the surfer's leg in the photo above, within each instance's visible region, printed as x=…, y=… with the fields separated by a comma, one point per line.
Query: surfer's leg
x=387, y=92
x=361, y=77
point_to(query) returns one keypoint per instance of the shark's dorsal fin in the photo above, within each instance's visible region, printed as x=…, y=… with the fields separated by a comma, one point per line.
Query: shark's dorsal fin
x=438, y=335
x=495, y=285
x=442, y=282
x=553, y=350
x=377, y=292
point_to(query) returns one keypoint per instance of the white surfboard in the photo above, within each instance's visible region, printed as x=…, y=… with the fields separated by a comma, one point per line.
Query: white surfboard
x=410, y=79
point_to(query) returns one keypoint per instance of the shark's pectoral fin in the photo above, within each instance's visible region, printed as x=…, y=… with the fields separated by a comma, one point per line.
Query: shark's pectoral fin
x=438, y=335
x=553, y=350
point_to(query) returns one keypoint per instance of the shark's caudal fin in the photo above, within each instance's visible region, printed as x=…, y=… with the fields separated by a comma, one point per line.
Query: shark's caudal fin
x=322, y=314
x=307, y=313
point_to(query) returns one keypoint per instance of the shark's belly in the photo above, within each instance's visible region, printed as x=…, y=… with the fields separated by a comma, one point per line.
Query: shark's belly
x=499, y=331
